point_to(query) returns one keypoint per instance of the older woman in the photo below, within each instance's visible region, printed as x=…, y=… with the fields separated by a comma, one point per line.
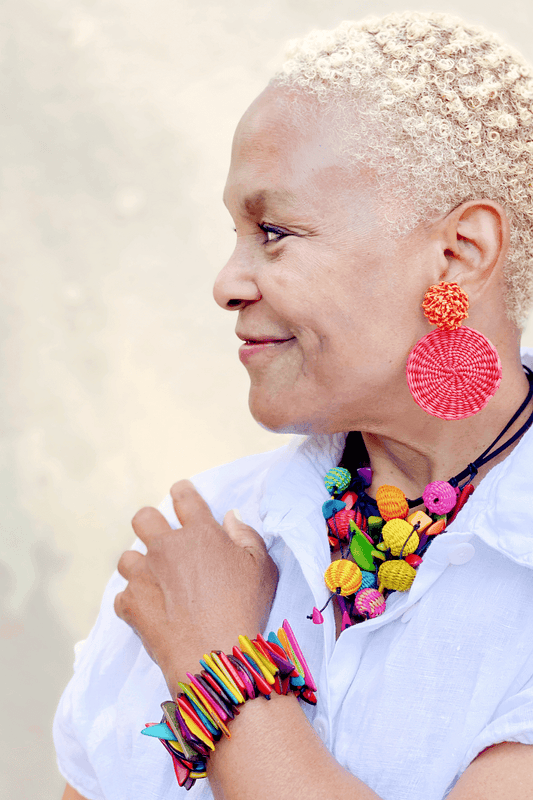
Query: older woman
x=388, y=157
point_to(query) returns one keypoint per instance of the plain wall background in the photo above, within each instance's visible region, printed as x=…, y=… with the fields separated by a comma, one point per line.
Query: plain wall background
x=119, y=373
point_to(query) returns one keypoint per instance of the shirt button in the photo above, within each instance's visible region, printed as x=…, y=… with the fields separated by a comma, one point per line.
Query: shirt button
x=321, y=728
x=461, y=554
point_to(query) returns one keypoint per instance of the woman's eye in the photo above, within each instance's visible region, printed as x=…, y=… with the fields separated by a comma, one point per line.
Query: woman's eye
x=272, y=233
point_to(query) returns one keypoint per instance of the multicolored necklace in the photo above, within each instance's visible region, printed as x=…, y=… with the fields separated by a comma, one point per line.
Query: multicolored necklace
x=382, y=541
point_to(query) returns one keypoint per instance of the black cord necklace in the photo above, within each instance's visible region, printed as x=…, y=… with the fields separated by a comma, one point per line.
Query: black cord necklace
x=468, y=472
x=384, y=540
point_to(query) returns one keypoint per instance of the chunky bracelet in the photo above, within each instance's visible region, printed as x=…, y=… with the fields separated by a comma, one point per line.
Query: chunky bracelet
x=197, y=719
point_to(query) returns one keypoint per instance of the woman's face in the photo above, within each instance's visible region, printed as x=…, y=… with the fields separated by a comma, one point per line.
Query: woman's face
x=328, y=299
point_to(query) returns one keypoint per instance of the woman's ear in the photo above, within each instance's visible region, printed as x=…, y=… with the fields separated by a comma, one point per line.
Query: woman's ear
x=475, y=237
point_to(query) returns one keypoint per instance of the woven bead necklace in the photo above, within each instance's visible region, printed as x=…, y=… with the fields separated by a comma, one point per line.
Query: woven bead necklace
x=382, y=541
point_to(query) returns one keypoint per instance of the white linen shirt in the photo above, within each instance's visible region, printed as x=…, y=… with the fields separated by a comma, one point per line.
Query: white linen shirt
x=405, y=701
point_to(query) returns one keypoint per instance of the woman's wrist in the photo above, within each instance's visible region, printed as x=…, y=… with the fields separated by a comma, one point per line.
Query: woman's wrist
x=204, y=706
x=179, y=665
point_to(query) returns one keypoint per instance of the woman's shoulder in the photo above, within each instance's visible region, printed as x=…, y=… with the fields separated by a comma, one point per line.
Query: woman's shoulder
x=237, y=484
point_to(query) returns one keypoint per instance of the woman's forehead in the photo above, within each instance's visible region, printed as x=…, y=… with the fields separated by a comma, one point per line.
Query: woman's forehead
x=279, y=150
x=277, y=117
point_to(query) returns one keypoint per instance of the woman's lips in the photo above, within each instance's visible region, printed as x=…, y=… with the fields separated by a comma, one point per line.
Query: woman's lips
x=267, y=347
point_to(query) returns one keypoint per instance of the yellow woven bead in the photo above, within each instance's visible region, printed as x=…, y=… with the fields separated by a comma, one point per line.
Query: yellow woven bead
x=396, y=575
x=398, y=534
x=343, y=575
x=392, y=502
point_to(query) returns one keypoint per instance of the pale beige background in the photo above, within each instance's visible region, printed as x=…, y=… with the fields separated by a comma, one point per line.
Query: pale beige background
x=120, y=374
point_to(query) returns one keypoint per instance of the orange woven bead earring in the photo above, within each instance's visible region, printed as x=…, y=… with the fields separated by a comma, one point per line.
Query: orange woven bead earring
x=454, y=371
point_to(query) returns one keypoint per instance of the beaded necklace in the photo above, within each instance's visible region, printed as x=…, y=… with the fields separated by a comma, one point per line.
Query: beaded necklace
x=384, y=538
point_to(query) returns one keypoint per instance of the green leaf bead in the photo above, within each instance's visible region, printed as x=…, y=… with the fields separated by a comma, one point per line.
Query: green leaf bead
x=361, y=549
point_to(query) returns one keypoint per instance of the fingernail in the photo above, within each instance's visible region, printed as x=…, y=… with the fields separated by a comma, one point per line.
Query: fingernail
x=237, y=514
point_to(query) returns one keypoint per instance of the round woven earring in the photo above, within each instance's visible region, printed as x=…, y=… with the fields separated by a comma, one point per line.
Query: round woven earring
x=454, y=371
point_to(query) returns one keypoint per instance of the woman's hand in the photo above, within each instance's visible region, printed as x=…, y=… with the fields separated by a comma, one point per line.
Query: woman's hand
x=197, y=588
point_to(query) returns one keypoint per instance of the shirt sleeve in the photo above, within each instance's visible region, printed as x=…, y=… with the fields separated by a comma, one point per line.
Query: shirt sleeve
x=511, y=722
x=70, y=718
x=72, y=759
x=116, y=688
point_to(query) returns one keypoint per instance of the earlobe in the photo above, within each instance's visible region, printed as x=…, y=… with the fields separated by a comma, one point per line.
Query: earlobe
x=477, y=239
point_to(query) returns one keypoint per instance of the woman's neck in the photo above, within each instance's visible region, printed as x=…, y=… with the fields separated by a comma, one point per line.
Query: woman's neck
x=429, y=449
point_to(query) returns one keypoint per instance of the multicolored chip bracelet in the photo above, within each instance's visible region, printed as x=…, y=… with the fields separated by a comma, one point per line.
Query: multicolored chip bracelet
x=197, y=719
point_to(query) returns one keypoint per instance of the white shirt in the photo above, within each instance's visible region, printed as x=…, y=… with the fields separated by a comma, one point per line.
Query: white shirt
x=405, y=701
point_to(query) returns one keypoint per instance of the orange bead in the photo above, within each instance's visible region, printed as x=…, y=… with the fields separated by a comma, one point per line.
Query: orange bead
x=421, y=519
x=436, y=528
x=445, y=305
x=392, y=502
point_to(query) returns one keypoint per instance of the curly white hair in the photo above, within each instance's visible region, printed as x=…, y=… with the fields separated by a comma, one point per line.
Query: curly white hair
x=447, y=117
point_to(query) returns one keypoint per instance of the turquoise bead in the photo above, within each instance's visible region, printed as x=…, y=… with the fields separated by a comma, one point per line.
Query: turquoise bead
x=369, y=580
x=330, y=508
x=337, y=479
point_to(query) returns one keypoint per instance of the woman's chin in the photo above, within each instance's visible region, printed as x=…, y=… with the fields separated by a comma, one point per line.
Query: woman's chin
x=273, y=415
x=281, y=415
x=274, y=422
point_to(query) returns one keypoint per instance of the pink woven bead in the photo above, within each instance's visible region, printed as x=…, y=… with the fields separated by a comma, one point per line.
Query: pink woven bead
x=439, y=497
x=339, y=523
x=453, y=374
x=369, y=602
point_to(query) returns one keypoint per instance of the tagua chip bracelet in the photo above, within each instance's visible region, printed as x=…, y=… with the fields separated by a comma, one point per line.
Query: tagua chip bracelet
x=199, y=717
x=382, y=541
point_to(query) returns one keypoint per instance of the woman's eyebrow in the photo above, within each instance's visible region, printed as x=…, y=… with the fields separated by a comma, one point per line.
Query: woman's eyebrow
x=255, y=203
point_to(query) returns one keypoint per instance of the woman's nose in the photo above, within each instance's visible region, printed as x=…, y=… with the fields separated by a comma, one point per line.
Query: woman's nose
x=235, y=285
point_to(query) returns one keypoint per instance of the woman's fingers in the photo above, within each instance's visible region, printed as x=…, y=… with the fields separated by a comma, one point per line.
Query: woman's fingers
x=129, y=563
x=189, y=505
x=149, y=523
x=241, y=533
x=197, y=587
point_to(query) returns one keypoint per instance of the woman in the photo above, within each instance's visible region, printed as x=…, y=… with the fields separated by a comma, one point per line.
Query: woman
x=388, y=157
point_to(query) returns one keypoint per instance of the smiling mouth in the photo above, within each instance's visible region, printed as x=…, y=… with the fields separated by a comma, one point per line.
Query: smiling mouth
x=268, y=341
x=252, y=348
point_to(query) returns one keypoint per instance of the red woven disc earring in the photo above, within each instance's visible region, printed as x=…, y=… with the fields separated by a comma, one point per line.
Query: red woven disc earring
x=452, y=372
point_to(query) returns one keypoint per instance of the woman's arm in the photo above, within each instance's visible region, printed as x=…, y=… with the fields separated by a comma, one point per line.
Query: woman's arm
x=274, y=752
x=503, y=771
x=196, y=590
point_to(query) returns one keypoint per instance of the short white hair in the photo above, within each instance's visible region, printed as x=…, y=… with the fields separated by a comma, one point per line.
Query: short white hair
x=447, y=116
